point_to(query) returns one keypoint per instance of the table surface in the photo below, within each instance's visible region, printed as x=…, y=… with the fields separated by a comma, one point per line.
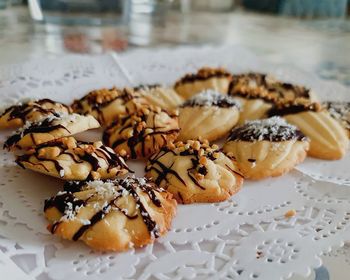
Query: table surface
x=318, y=46
x=309, y=44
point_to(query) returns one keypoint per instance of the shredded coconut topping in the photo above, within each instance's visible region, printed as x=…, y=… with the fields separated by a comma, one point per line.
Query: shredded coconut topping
x=65, y=117
x=62, y=173
x=211, y=98
x=70, y=212
x=340, y=111
x=274, y=129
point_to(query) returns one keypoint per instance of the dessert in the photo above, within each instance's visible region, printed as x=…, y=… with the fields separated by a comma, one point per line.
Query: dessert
x=194, y=171
x=340, y=111
x=49, y=128
x=17, y=115
x=112, y=215
x=328, y=139
x=208, y=115
x=265, y=148
x=69, y=159
x=142, y=133
x=106, y=105
x=217, y=79
x=163, y=97
x=259, y=92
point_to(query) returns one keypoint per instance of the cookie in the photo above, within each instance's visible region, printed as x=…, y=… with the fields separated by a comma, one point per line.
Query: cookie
x=194, y=171
x=143, y=133
x=106, y=105
x=34, y=110
x=266, y=148
x=340, y=111
x=113, y=215
x=69, y=159
x=49, y=128
x=217, y=79
x=157, y=95
x=207, y=115
x=259, y=92
x=328, y=139
x=267, y=87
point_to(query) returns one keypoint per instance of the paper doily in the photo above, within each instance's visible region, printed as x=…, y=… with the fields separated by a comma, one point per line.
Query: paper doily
x=246, y=237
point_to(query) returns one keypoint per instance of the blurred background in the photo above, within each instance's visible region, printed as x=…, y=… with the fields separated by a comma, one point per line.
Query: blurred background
x=313, y=34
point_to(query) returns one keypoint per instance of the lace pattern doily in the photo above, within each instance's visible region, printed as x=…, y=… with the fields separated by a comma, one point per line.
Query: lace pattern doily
x=246, y=237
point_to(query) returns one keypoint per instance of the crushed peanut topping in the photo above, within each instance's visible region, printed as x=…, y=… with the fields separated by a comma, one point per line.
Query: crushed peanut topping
x=290, y=213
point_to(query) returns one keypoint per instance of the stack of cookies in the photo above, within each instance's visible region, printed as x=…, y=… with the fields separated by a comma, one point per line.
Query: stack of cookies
x=269, y=126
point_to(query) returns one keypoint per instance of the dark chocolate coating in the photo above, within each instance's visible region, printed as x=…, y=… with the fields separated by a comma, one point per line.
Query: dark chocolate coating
x=292, y=109
x=260, y=131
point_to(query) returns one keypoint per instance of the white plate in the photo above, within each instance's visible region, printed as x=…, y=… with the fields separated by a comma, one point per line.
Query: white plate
x=245, y=237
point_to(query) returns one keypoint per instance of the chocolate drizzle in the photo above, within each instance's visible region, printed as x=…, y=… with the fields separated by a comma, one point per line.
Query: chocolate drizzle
x=95, y=219
x=98, y=100
x=82, y=151
x=143, y=128
x=45, y=107
x=67, y=203
x=203, y=74
x=61, y=201
x=146, y=87
x=196, y=172
x=274, y=129
x=164, y=170
x=73, y=186
x=45, y=126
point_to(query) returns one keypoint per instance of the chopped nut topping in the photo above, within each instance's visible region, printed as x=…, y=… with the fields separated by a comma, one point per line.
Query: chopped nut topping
x=49, y=152
x=171, y=145
x=216, y=155
x=97, y=144
x=199, y=176
x=268, y=88
x=290, y=213
x=122, y=152
x=89, y=149
x=203, y=160
x=149, y=130
x=196, y=145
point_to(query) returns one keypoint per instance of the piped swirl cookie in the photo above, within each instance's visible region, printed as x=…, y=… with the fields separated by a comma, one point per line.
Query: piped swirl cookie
x=143, y=133
x=49, y=128
x=208, y=115
x=217, y=79
x=259, y=92
x=113, y=215
x=69, y=159
x=34, y=110
x=106, y=105
x=340, y=111
x=194, y=171
x=157, y=95
x=265, y=148
x=328, y=139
